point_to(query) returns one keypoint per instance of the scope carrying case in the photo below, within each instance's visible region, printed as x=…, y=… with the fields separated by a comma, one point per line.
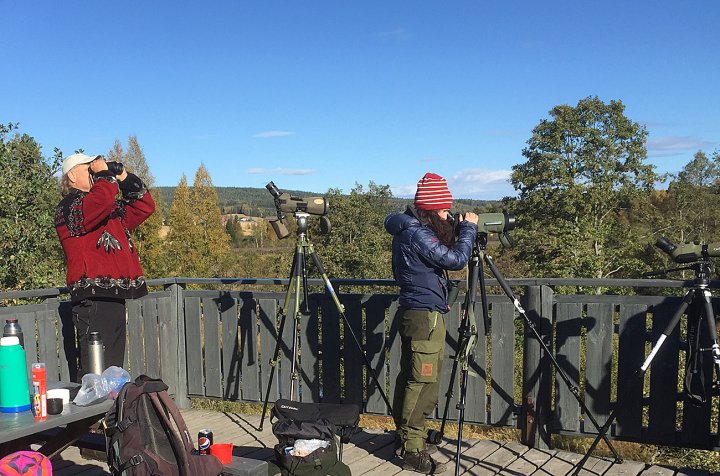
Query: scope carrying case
x=294, y=421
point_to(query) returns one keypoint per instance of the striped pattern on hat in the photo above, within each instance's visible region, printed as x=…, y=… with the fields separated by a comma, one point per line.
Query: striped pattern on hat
x=433, y=193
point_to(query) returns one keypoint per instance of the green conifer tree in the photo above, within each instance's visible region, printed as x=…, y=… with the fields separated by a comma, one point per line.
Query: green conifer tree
x=146, y=236
x=214, y=242
x=183, y=253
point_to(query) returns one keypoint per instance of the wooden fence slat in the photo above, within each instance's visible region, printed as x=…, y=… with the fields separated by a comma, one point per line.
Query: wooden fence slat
x=151, y=336
x=68, y=345
x=134, y=349
x=567, y=353
x=394, y=347
x=631, y=354
x=193, y=346
x=286, y=380
x=598, y=368
x=351, y=354
x=375, y=343
x=268, y=341
x=231, y=355
x=664, y=374
x=211, y=337
x=330, y=352
x=476, y=411
x=309, y=348
x=48, y=337
x=28, y=323
x=168, y=344
x=249, y=354
x=503, y=366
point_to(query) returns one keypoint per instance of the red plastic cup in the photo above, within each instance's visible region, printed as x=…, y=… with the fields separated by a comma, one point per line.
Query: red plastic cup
x=222, y=451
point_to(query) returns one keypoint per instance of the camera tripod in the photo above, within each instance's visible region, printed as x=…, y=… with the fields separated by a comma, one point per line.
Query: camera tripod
x=467, y=340
x=698, y=299
x=464, y=358
x=297, y=294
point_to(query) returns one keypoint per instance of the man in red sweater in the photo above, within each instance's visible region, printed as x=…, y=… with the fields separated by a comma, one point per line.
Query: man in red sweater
x=103, y=268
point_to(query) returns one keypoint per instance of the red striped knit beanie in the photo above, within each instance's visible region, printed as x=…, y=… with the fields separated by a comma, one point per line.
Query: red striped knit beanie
x=432, y=193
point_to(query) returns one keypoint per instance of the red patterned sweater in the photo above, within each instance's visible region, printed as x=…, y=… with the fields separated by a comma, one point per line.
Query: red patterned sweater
x=94, y=230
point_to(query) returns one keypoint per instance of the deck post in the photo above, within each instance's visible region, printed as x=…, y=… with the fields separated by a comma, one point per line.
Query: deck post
x=178, y=318
x=536, y=377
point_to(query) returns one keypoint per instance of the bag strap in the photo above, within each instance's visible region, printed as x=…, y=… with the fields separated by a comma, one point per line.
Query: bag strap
x=120, y=402
x=160, y=401
x=179, y=421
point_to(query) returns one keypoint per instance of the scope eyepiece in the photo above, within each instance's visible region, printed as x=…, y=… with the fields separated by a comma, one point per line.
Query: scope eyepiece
x=666, y=245
x=273, y=189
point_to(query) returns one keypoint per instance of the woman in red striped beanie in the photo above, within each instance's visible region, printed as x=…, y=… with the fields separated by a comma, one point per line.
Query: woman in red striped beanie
x=424, y=247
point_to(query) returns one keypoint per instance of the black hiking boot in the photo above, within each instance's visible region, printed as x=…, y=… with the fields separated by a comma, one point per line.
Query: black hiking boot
x=400, y=451
x=421, y=462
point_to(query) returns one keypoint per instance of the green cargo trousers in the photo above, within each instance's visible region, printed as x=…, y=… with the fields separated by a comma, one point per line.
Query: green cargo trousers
x=416, y=389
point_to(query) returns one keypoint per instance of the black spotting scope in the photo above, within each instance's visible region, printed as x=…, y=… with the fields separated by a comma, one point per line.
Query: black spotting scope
x=688, y=252
x=286, y=203
x=289, y=204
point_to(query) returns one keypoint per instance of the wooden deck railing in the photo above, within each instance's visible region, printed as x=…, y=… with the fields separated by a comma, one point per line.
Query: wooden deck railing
x=218, y=344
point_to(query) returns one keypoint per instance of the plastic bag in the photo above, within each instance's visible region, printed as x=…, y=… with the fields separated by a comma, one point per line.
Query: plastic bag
x=98, y=387
x=115, y=377
x=305, y=447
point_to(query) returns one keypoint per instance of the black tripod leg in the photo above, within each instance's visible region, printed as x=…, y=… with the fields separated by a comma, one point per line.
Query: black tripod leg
x=712, y=330
x=639, y=374
x=273, y=366
x=558, y=370
x=292, y=284
x=461, y=415
x=463, y=335
x=300, y=288
x=348, y=327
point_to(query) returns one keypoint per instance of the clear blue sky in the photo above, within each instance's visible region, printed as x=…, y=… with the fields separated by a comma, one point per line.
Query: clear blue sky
x=321, y=94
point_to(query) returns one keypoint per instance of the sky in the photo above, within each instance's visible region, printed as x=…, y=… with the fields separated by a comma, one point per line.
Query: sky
x=316, y=95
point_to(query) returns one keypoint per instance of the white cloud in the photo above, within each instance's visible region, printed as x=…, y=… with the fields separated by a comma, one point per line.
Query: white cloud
x=477, y=184
x=481, y=184
x=675, y=145
x=398, y=34
x=403, y=190
x=279, y=171
x=480, y=176
x=273, y=134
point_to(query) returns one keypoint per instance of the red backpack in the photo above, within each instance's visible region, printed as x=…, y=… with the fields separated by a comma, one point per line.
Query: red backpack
x=146, y=435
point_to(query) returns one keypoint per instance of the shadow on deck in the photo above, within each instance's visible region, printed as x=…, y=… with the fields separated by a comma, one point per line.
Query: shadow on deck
x=371, y=452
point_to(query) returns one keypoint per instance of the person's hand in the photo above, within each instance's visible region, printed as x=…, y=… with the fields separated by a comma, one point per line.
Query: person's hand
x=471, y=217
x=98, y=165
x=123, y=175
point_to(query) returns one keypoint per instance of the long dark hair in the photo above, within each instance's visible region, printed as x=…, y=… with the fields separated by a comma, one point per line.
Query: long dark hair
x=443, y=229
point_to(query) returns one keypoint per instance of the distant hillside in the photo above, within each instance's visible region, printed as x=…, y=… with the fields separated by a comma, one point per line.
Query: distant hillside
x=259, y=202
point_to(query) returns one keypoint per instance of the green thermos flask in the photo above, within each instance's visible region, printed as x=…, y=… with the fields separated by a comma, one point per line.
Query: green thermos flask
x=14, y=390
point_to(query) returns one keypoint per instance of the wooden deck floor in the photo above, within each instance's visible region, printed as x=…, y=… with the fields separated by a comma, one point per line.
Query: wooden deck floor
x=370, y=452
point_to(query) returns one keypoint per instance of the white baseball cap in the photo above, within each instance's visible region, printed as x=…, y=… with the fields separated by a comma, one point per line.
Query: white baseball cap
x=76, y=159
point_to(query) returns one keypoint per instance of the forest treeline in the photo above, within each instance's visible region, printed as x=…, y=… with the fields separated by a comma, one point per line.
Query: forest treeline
x=588, y=205
x=258, y=202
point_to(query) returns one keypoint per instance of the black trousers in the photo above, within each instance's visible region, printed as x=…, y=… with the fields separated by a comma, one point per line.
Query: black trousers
x=106, y=316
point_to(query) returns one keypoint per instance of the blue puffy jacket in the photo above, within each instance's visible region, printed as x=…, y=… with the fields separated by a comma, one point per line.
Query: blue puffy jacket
x=419, y=260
